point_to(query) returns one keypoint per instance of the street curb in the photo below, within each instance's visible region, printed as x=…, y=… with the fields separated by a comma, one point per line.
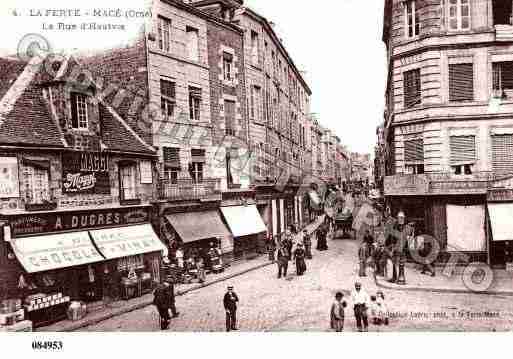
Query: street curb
x=382, y=284
x=144, y=304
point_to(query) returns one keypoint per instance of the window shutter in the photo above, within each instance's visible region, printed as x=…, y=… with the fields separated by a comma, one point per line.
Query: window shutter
x=74, y=114
x=463, y=150
x=172, y=157
x=502, y=153
x=414, y=151
x=198, y=156
x=411, y=82
x=461, y=82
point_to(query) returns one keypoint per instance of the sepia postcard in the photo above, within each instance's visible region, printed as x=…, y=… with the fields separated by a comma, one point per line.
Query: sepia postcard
x=250, y=166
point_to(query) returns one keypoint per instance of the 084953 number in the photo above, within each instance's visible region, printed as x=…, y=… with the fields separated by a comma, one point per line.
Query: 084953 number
x=47, y=345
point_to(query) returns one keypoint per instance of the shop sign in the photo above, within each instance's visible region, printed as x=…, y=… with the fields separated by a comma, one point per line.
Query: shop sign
x=85, y=172
x=459, y=187
x=56, y=222
x=500, y=195
x=403, y=185
x=9, y=184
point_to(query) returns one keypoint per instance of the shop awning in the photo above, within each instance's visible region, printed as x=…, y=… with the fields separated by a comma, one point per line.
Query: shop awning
x=44, y=253
x=194, y=226
x=127, y=241
x=501, y=220
x=244, y=220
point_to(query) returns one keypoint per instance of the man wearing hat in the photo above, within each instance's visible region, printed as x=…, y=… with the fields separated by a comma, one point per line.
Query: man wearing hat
x=230, y=306
x=360, y=300
x=307, y=241
x=299, y=256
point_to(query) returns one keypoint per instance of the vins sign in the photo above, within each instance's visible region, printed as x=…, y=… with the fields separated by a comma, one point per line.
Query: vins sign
x=85, y=172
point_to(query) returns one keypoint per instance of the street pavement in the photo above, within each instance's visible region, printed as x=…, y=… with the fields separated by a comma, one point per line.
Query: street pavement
x=303, y=303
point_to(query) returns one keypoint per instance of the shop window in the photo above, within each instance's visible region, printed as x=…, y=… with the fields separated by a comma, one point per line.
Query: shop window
x=192, y=43
x=79, y=115
x=127, y=181
x=502, y=79
x=502, y=10
x=461, y=82
x=458, y=15
x=36, y=183
x=195, y=100
x=164, y=31
x=167, y=99
x=412, y=19
x=227, y=66
x=412, y=90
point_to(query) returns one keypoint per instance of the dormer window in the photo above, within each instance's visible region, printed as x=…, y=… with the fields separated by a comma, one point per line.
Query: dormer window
x=79, y=117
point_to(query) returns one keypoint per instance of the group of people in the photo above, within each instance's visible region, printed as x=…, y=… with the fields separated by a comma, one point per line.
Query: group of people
x=293, y=248
x=196, y=262
x=362, y=305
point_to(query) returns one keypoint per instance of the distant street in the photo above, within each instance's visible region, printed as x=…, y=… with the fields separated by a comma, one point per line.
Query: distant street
x=302, y=304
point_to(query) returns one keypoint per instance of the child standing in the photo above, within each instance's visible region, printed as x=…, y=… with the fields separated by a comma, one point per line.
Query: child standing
x=382, y=307
x=337, y=312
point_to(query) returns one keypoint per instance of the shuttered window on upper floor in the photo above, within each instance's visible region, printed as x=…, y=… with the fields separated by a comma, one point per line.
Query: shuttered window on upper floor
x=463, y=150
x=411, y=83
x=502, y=153
x=461, y=82
x=414, y=151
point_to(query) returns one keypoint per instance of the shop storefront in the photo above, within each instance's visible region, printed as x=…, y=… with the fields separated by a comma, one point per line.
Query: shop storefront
x=194, y=232
x=247, y=228
x=500, y=227
x=86, y=256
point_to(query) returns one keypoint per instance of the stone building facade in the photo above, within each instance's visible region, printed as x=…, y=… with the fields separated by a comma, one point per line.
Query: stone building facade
x=449, y=118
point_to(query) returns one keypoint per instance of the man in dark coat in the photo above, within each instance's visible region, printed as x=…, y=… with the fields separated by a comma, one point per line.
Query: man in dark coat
x=299, y=256
x=283, y=259
x=230, y=306
x=171, y=295
x=307, y=241
x=161, y=301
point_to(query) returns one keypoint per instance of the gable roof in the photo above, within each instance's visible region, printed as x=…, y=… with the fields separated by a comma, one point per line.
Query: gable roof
x=25, y=118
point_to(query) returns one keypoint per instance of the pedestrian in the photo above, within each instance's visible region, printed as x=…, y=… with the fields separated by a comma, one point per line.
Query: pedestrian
x=383, y=312
x=271, y=247
x=230, y=301
x=289, y=242
x=337, y=312
x=360, y=300
x=362, y=260
x=179, y=257
x=307, y=241
x=299, y=256
x=424, y=249
x=283, y=260
x=170, y=288
x=161, y=301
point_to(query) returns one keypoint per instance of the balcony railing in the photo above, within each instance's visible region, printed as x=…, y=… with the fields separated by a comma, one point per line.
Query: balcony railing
x=186, y=189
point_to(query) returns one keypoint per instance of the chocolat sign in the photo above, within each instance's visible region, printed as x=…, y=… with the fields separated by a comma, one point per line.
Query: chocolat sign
x=56, y=222
x=85, y=172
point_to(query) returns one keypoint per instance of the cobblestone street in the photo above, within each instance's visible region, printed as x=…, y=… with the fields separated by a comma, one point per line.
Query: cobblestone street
x=302, y=304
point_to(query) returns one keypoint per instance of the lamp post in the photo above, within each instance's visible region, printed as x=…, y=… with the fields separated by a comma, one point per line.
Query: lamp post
x=401, y=219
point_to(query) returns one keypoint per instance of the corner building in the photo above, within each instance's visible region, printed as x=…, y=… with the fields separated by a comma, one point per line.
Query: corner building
x=449, y=122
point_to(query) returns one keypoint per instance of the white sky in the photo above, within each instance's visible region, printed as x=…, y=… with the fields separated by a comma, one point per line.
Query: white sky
x=337, y=42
